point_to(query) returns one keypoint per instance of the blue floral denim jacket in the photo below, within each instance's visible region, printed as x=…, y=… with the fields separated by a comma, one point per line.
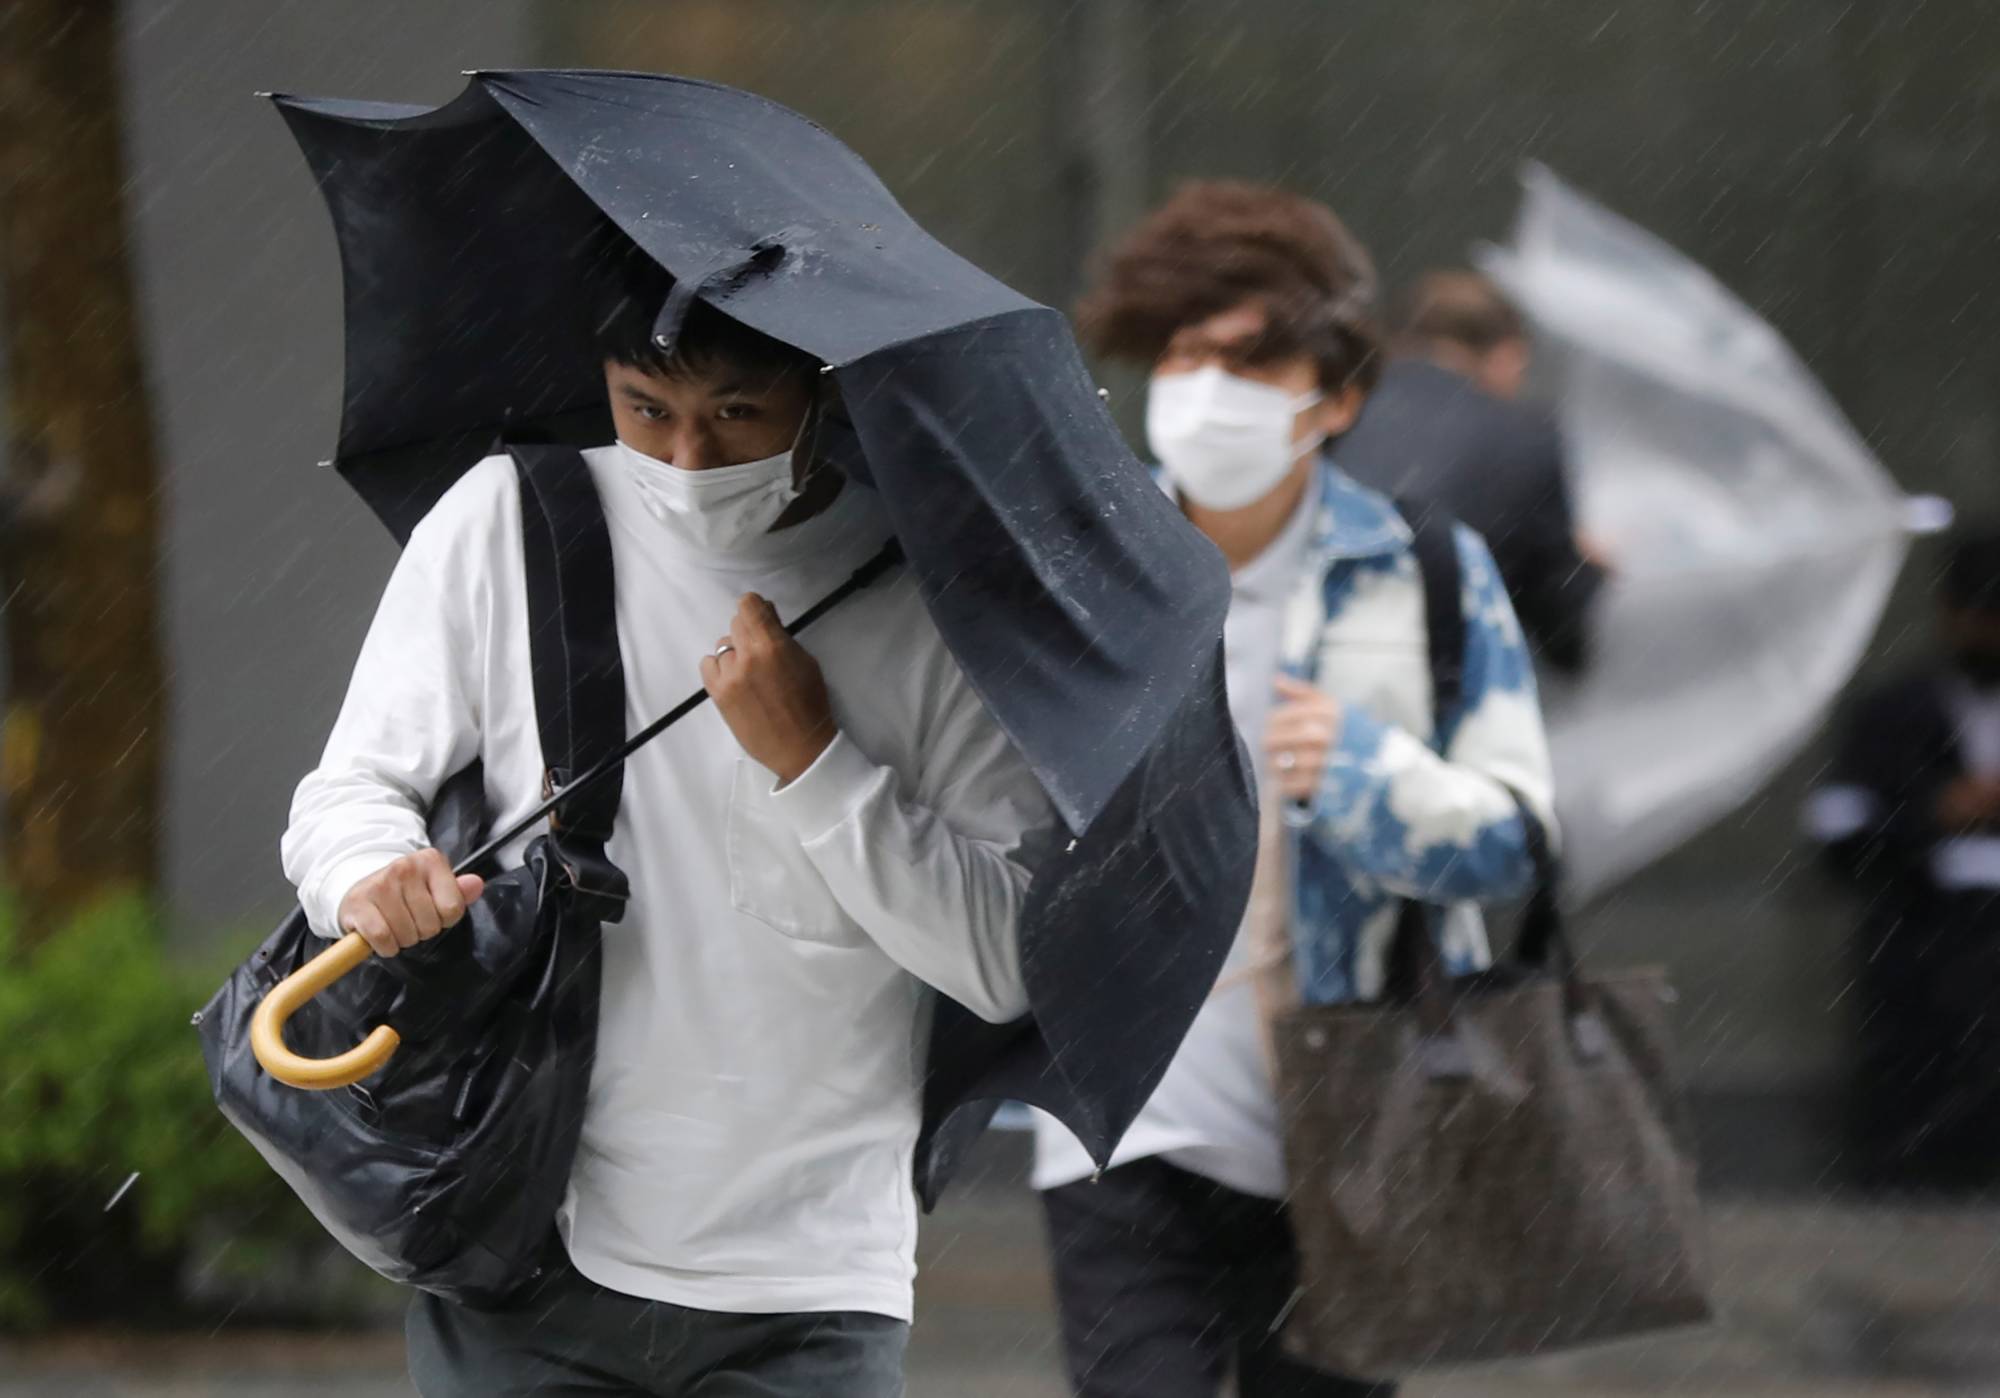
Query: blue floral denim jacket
x=1408, y=808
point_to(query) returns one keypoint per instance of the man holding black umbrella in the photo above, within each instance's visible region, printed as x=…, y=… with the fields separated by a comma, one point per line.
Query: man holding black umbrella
x=842, y=829
x=834, y=963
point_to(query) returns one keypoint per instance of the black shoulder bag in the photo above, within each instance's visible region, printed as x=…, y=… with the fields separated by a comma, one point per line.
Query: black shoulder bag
x=445, y=1169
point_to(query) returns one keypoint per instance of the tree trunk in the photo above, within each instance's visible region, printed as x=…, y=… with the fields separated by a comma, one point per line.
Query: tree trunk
x=80, y=740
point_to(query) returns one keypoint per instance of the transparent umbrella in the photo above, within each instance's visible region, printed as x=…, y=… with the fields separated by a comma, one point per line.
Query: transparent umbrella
x=1755, y=537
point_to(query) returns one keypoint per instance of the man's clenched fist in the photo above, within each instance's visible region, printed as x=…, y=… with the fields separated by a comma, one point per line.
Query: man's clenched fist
x=769, y=691
x=411, y=901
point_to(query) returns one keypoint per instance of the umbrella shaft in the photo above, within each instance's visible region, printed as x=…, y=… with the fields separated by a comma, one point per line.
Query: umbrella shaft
x=890, y=555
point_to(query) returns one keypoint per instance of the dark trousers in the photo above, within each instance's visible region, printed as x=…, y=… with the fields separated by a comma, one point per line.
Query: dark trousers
x=1167, y=1282
x=571, y=1337
x=1924, y=1106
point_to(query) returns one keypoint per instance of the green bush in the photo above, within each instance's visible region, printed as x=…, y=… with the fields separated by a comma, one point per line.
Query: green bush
x=101, y=1079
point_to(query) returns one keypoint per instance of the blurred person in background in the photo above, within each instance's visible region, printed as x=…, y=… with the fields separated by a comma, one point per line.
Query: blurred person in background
x=1909, y=818
x=1253, y=308
x=1444, y=426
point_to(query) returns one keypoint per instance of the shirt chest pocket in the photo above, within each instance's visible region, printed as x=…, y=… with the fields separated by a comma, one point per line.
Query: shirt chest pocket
x=770, y=877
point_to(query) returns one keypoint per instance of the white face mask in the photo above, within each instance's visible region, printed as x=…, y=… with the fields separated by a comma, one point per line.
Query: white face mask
x=1225, y=442
x=715, y=510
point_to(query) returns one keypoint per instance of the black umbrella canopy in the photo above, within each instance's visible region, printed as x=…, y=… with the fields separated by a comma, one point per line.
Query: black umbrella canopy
x=1082, y=607
x=461, y=232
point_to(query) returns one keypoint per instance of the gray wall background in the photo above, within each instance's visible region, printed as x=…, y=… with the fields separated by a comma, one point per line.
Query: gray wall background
x=272, y=566
x=1833, y=162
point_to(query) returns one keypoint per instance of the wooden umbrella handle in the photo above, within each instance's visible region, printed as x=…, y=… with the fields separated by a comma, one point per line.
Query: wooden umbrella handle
x=267, y=1026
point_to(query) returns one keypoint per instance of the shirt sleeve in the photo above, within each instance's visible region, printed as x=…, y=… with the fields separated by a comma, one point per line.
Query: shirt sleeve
x=409, y=721
x=1446, y=827
x=935, y=871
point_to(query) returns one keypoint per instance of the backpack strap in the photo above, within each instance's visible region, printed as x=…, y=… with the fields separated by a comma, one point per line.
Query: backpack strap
x=579, y=675
x=1542, y=937
x=1434, y=542
x=1413, y=962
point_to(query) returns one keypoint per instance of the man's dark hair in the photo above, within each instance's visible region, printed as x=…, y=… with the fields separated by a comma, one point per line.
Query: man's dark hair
x=1455, y=307
x=1217, y=244
x=626, y=289
x=1971, y=579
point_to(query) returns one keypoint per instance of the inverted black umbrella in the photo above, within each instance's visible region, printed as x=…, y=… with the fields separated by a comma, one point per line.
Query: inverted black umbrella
x=1084, y=610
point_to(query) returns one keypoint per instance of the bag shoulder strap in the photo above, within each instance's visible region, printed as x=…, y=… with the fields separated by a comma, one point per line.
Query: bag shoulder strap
x=1434, y=542
x=579, y=674
x=1541, y=935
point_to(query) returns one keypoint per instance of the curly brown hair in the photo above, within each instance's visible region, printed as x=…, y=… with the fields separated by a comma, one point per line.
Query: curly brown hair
x=1217, y=244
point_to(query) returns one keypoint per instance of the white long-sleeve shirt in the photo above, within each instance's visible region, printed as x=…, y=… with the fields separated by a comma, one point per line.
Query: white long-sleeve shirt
x=747, y=1142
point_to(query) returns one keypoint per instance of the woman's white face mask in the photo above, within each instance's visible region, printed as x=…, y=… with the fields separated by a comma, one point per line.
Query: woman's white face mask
x=1225, y=442
x=716, y=510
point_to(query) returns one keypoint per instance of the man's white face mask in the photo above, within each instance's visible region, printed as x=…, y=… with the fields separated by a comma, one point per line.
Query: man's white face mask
x=715, y=510
x=1225, y=442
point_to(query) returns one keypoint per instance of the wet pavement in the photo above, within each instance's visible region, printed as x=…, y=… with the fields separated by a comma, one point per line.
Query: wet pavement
x=1817, y=1299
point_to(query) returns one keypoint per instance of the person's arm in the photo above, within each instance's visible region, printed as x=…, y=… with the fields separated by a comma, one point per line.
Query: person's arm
x=931, y=867
x=937, y=886
x=1447, y=827
x=409, y=721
